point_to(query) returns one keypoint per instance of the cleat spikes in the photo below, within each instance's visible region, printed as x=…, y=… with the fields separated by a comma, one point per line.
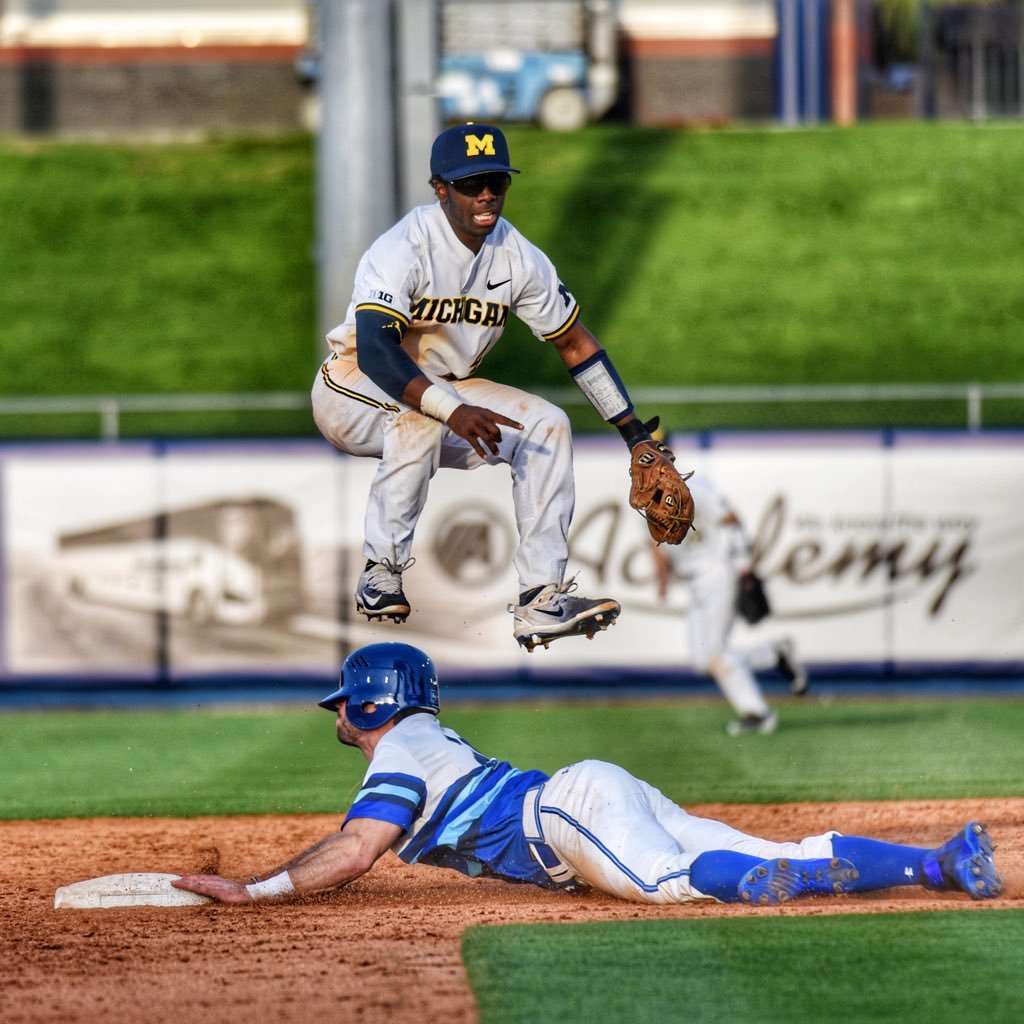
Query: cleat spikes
x=779, y=881
x=554, y=613
x=964, y=862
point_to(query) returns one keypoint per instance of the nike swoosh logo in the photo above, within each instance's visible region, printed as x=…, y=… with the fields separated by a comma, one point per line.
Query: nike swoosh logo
x=560, y=614
x=499, y=284
x=380, y=600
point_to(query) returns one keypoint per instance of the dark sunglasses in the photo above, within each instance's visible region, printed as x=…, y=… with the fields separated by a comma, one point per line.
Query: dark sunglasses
x=498, y=183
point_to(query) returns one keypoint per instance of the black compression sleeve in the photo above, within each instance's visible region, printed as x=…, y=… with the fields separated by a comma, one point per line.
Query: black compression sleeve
x=380, y=354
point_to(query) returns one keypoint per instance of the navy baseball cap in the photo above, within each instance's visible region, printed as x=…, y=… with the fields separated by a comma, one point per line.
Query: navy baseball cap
x=469, y=149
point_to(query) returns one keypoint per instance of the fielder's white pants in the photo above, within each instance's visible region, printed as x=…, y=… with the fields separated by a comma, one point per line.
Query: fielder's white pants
x=359, y=418
x=624, y=837
x=710, y=621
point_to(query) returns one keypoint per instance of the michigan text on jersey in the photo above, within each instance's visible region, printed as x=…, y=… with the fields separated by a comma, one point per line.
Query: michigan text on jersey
x=460, y=310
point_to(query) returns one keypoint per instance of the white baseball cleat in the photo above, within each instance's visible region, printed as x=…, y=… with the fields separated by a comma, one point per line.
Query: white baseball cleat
x=379, y=593
x=764, y=725
x=552, y=614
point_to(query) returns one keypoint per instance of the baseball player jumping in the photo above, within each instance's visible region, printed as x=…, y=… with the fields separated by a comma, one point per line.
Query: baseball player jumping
x=429, y=796
x=432, y=297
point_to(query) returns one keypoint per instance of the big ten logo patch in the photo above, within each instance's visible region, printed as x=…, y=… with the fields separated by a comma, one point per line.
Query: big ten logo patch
x=473, y=544
x=380, y=296
x=480, y=146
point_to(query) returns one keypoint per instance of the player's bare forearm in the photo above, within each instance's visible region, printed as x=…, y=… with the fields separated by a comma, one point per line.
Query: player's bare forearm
x=414, y=390
x=343, y=856
x=291, y=863
x=340, y=858
x=329, y=864
x=576, y=345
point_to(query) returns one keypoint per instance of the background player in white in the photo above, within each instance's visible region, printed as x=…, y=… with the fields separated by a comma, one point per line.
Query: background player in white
x=712, y=563
x=432, y=296
x=429, y=796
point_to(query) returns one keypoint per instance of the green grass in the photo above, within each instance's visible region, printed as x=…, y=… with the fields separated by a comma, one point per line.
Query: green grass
x=756, y=257
x=879, y=253
x=940, y=968
x=138, y=269
x=286, y=760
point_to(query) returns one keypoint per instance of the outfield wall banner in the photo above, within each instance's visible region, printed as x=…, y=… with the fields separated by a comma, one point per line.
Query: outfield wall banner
x=149, y=562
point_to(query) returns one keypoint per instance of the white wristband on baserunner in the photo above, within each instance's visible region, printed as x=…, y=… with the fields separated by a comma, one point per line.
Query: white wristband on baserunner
x=279, y=885
x=438, y=403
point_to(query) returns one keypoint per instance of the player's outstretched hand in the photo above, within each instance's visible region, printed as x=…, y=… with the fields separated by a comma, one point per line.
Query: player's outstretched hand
x=480, y=427
x=218, y=888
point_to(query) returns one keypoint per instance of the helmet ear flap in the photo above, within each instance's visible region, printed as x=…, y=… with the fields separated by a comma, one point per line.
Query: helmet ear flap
x=389, y=678
x=368, y=714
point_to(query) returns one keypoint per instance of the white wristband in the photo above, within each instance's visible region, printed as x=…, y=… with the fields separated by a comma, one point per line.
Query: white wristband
x=279, y=885
x=438, y=403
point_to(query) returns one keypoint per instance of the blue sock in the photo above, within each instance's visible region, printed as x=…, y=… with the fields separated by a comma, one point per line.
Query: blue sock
x=718, y=873
x=880, y=865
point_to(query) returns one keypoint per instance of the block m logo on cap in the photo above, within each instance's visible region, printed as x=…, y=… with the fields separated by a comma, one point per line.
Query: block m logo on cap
x=475, y=145
x=467, y=149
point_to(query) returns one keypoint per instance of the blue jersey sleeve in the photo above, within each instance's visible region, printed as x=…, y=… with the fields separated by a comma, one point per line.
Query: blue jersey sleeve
x=392, y=797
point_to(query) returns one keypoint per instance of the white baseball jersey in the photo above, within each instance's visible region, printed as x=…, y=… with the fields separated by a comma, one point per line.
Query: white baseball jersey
x=454, y=303
x=592, y=823
x=716, y=539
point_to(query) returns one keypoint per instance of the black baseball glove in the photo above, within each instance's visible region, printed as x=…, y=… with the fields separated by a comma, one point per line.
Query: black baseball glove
x=751, y=600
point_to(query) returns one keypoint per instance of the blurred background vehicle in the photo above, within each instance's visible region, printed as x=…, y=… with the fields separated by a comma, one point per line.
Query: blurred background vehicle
x=116, y=68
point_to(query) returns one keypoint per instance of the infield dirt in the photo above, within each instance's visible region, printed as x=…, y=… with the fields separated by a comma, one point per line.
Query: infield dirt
x=384, y=949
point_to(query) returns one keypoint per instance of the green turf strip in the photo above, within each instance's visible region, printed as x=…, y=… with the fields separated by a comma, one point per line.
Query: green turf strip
x=872, y=254
x=928, y=968
x=286, y=759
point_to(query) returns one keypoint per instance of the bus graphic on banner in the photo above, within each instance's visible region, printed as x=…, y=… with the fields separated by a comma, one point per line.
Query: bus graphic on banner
x=234, y=561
